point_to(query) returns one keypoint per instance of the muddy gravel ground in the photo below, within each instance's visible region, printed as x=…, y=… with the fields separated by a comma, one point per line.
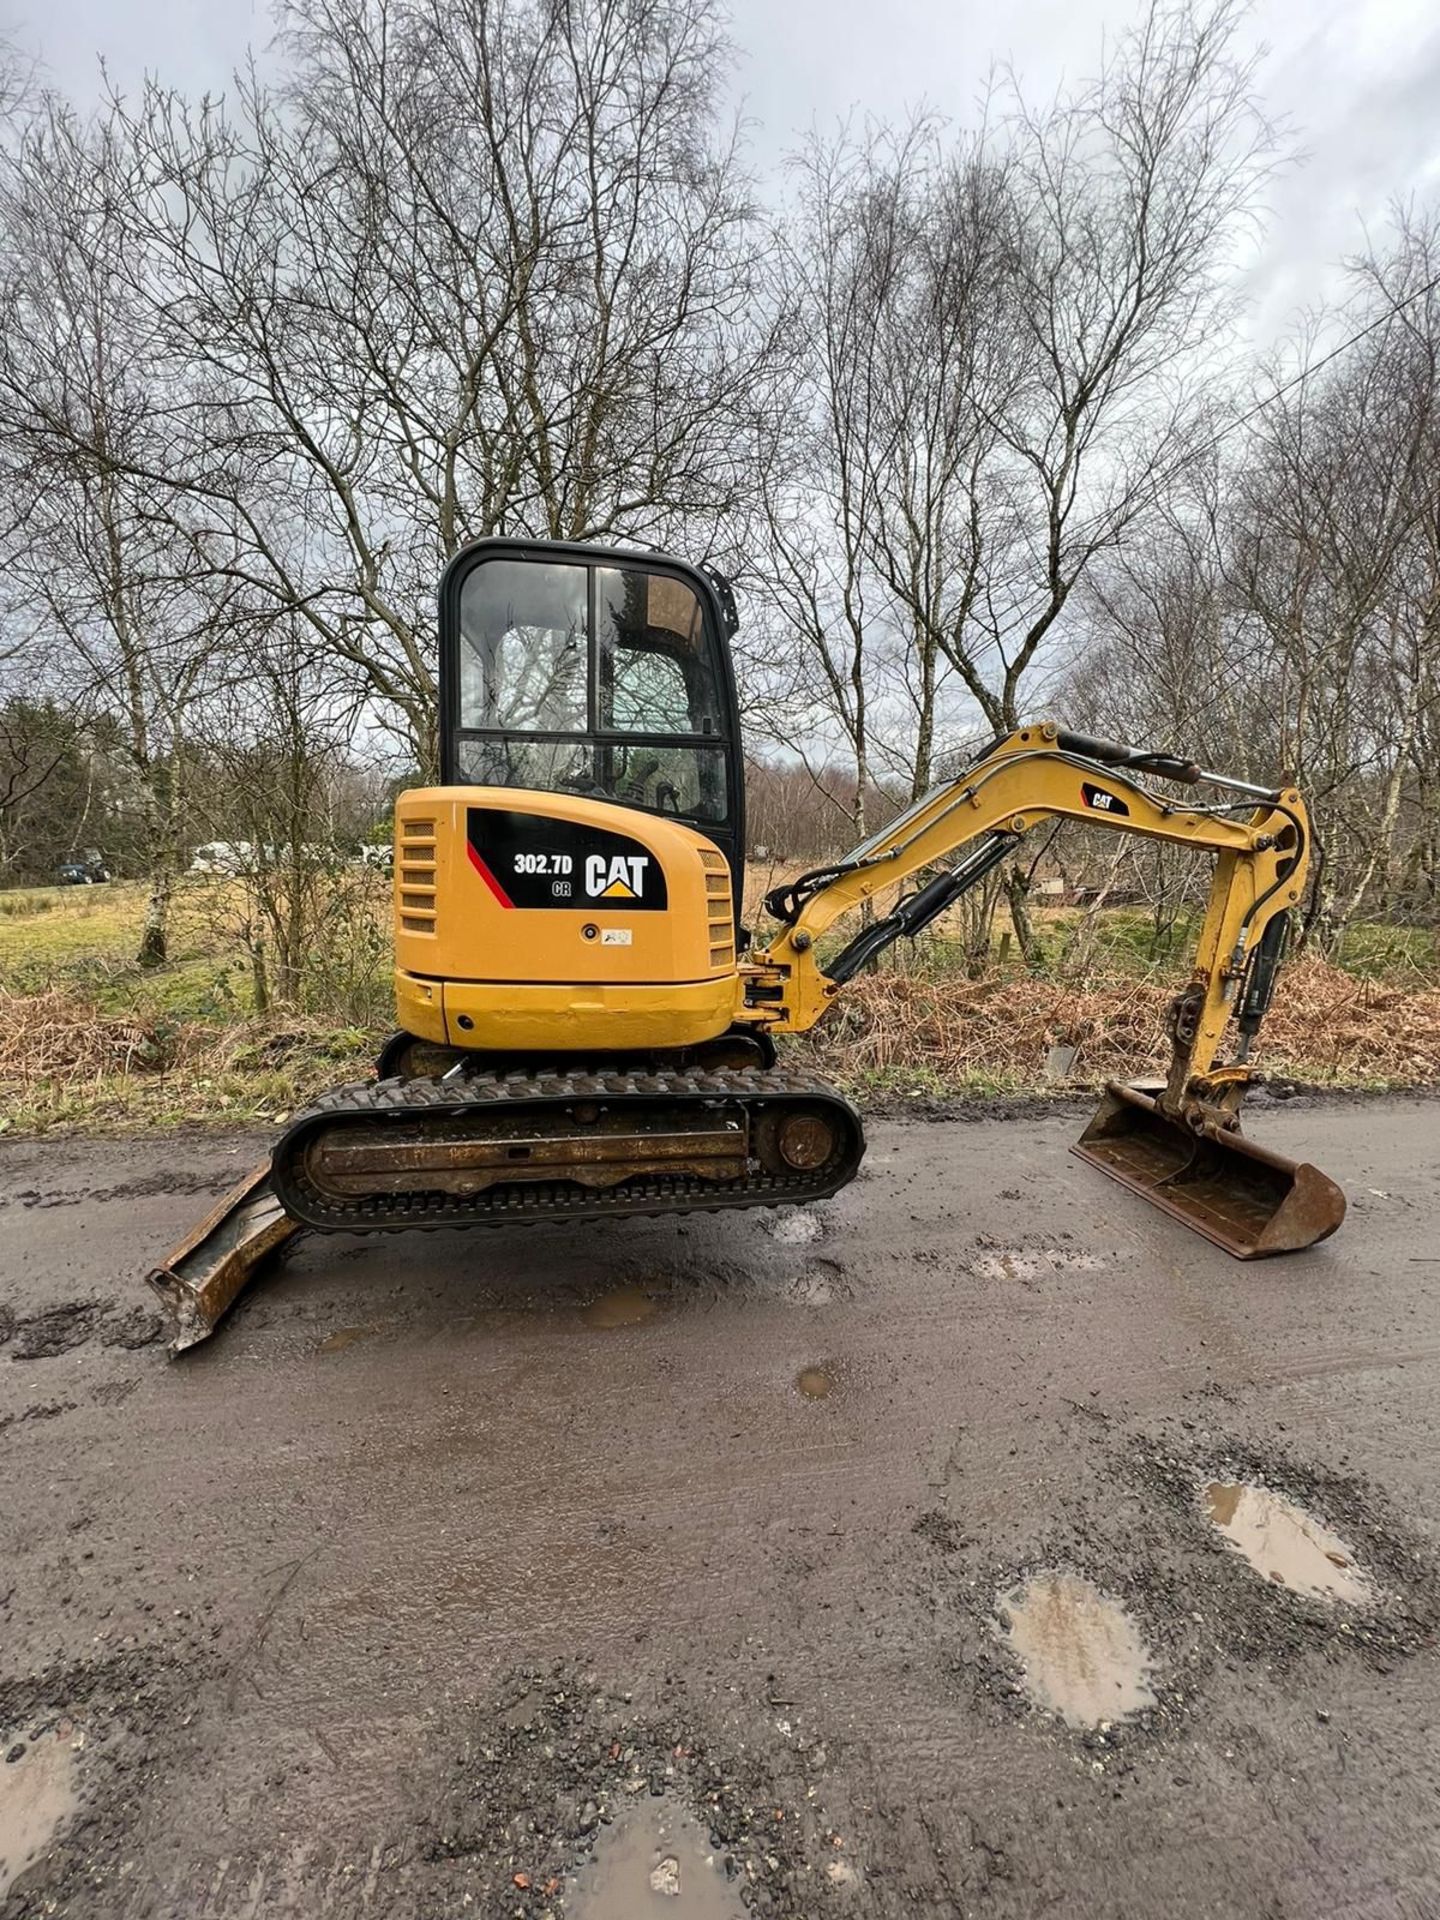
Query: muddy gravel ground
x=700, y=1567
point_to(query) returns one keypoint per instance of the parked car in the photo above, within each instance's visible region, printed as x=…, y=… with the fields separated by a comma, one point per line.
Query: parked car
x=87, y=869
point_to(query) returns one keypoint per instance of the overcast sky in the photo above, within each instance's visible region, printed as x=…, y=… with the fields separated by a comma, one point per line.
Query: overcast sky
x=1358, y=79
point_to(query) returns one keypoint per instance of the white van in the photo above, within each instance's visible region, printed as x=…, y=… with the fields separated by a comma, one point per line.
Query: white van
x=223, y=856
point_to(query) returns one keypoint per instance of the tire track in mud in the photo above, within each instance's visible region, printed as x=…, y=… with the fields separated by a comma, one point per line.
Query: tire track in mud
x=75, y=1323
x=154, y=1186
x=800, y=1592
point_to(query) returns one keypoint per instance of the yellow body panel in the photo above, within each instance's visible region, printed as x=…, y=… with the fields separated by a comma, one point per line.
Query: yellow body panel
x=599, y=973
x=572, y=974
x=551, y=1019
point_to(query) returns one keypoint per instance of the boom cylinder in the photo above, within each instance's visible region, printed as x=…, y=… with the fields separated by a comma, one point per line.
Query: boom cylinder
x=917, y=910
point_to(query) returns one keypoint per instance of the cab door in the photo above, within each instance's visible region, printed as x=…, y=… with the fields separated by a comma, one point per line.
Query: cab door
x=587, y=670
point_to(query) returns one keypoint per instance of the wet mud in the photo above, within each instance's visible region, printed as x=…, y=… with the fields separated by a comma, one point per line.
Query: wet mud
x=37, y=1797
x=40, y=1336
x=919, y=1564
x=654, y=1861
x=343, y=1338
x=815, y=1383
x=624, y=1307
x=569, y=1797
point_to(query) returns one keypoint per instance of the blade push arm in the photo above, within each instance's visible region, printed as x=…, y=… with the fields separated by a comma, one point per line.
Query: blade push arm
x=1035, y=775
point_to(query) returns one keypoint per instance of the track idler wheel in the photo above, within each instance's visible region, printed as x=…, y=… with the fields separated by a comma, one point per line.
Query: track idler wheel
x=406, y=1057
x=796, y=1141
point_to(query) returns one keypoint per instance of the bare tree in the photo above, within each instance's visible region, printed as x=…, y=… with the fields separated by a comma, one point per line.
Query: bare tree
x=813, y=654
x=103, y=573
x=275, y=746
x=1009, y=340
x=1281, y=614
x=477, y=266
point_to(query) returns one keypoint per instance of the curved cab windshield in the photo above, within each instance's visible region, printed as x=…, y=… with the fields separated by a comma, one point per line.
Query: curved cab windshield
x=579, y=679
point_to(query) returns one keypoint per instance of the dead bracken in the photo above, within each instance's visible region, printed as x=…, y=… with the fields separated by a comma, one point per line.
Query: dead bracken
x=1329, y=1026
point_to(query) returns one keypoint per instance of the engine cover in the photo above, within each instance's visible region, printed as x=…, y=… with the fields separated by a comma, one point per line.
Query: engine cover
x=554, y=922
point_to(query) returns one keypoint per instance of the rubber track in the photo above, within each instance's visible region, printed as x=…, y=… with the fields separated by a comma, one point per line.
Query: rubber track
x=645, y=1195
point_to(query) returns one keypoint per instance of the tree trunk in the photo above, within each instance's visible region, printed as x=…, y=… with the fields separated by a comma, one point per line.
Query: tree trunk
x=164, y=862
x=290, y=945
x=925, y=722
x=1017, y=892
x=259, y=984
x=1383, y=844
x=155, y=935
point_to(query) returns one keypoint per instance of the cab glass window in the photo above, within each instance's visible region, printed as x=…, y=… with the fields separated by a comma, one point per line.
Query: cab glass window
x=688, y=782
x=654, y=667
x=544, y=766
x=523, y=647
x=589, y=679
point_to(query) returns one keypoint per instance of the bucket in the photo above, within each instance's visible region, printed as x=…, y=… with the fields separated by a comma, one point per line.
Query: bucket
x=1245, y=1197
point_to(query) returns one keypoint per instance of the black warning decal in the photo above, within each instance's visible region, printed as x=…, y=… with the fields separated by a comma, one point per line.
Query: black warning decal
x=527, y=860
x=1101, y=799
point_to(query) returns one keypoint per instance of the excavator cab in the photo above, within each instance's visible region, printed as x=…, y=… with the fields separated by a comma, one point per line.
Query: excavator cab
x=572, y=886
x=607, y=674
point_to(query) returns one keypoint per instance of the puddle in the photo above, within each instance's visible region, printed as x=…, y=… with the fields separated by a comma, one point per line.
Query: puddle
x=815, y=1383
x=1284, y=1543
x=344, y=1337
x=1031, y=1263
x=37, y=1794
x=625, y=1307
x=796, y=1228
x=1081, y=1653
x=654, y=1860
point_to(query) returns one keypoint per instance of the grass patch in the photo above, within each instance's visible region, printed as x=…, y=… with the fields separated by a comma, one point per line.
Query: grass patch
x=1375, y=949
x=21, y=902
x=86, y=940
x=89, y=1040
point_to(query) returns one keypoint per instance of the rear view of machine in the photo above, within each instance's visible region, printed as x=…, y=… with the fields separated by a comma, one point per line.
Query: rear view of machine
x=572, y=886
x=585, y=1029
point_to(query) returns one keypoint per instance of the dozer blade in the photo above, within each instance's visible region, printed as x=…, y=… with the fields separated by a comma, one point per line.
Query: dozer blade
x=203, y=1275
x=1244, y=1197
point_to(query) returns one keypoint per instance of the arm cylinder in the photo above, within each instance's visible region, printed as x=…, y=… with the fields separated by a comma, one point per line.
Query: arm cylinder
x=1259, y=986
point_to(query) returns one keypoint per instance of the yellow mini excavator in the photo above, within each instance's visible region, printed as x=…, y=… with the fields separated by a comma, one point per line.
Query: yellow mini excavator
x=586, y=1030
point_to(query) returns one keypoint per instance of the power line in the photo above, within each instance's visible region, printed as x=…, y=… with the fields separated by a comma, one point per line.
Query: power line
x=1305, y=373
x=1164, y=478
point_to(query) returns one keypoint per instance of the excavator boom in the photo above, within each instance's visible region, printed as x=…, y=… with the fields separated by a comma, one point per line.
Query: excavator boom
x=1178, y=1145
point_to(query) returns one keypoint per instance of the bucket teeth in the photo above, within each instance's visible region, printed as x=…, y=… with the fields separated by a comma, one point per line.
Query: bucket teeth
x=1245, y=1197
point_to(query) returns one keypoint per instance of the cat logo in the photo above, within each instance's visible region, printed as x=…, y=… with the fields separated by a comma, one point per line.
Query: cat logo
x=1101, y=799
x=620, y=877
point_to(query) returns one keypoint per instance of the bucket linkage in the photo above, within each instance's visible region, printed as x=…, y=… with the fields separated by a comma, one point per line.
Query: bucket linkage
x=1179, y=1144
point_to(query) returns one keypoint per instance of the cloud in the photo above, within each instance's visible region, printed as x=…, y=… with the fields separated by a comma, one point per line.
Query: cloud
x=1358, y=79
